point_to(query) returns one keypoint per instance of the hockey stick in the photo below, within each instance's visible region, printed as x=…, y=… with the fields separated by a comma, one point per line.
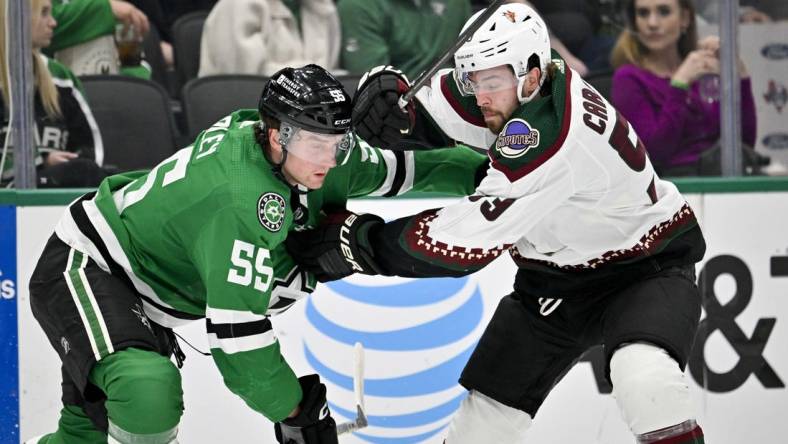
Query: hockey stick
x=358, y=389
x=436, y=65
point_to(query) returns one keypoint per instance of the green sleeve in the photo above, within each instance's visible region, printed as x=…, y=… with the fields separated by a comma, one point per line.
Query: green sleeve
x=448, y=170
x=236, y=264
x=60, y=71
x=366, y=170
x=377, y=172
x=364, y=34
x=79, y=21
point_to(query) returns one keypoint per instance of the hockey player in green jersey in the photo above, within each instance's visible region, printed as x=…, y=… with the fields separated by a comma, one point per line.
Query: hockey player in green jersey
x=201, y=237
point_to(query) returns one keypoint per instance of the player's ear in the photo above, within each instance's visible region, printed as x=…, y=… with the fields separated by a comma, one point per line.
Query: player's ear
x=531, y=81
x=273, y=143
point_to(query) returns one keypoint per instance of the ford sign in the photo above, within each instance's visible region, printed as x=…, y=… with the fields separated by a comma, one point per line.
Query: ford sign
x=776, y=141
x=775, y=51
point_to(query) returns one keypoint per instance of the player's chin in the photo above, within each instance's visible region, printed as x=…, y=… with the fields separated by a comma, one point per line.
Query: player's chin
x=494, y=123
x=316, y=180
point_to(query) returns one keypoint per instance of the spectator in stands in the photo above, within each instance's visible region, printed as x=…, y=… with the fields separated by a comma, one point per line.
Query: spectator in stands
x=664, y=85
x=408, y=34
x=84, y=39
x=66, y=134
x=263, y=36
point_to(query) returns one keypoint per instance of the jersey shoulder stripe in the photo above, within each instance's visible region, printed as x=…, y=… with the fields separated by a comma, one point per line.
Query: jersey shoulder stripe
x=534, y=137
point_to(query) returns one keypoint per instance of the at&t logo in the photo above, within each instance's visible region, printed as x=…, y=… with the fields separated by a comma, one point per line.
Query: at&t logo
x=417, y=336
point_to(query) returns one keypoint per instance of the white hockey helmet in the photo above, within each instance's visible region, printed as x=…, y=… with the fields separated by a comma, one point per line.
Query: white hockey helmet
x=510, y=36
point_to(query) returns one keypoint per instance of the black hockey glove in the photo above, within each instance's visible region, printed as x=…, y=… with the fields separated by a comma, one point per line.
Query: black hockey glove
x=377, y=117
x=338, y=247
x=313, y=424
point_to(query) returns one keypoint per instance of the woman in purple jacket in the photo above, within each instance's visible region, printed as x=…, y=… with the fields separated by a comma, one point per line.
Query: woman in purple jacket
x=666, y=85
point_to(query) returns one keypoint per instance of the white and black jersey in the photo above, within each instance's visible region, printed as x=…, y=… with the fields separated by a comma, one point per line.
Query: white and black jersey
x=570, y=194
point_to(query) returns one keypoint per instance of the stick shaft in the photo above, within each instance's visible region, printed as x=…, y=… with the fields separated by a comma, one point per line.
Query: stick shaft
x=358, y=373
x=358, y=391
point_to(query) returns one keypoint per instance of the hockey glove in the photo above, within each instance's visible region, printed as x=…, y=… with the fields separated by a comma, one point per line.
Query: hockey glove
x=313, y=424
x=377, y=117
x=338, y=247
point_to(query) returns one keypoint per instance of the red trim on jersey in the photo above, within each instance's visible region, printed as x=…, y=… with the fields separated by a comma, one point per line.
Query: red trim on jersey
x=418, y=241
x=457, y=106
x=516, y=174
x=650, y=243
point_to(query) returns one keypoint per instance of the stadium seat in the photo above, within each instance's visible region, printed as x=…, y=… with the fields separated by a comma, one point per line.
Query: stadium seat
x=186, y=36
x=208, y=99
x=151, y=46
x=134, y=118
x=602, y=81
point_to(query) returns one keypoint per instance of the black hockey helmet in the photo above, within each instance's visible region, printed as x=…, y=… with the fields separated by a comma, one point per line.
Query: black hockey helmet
x=308, y=97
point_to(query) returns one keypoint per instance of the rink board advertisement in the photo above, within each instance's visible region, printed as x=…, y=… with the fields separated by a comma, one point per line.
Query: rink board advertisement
x=764, y=49
x=418, y=334
x=9, y=374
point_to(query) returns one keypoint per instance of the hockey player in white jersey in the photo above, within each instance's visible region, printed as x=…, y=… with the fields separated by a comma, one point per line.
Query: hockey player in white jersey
x=605, y=248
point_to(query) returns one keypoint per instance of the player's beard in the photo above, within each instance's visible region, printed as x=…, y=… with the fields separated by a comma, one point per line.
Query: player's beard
x=494, y=121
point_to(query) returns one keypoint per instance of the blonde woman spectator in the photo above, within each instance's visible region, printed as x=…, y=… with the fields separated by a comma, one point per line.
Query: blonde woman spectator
x=68, y=142
x=661, y=85
x=264, y=36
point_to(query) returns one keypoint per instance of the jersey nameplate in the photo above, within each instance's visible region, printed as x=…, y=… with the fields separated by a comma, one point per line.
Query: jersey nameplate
x=271, y=211
x=516, y=139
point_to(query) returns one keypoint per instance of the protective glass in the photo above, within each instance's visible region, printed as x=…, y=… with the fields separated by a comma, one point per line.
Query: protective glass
x=484, y=81
x=320, y=149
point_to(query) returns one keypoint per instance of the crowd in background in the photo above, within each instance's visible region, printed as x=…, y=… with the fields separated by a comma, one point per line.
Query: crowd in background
x=649, y=49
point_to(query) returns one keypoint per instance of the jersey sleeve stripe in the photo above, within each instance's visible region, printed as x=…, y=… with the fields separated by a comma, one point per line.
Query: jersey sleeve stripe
x=515, y=174
x=242, y=344
x=401, y=172
x=456, y=105
x=238, y=329
x=399, y=175
x=224, y=316
x=390, y=159
x=240, y=337
x=410, y=173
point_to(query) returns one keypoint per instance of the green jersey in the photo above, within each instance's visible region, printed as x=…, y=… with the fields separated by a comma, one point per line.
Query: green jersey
x=79, y=21
x=201, y=236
